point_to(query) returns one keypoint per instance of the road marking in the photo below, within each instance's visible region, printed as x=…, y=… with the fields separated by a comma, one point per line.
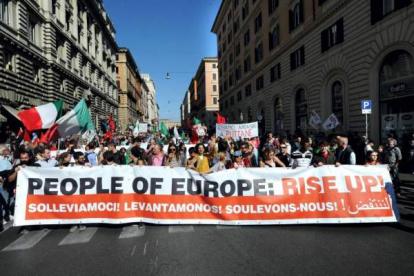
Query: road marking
x=145, y=248
x=226, y=227
x=79, y=236
x=132, y=232
x=181, y=229
x=27, y=241
x=133, y=251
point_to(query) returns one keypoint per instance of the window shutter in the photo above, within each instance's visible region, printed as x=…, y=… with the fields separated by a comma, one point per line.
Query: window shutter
x=290, y=21
x=376, y=11
x=399, y=4
x=269, y=6
x=340, y=30
x=301, y=11
x=302, y=55
x=278, y=70
x=324, y=40
x=292, y=62
x=270, y=41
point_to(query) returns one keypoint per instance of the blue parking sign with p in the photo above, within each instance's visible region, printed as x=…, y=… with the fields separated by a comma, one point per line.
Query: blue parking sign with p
x=366, y=106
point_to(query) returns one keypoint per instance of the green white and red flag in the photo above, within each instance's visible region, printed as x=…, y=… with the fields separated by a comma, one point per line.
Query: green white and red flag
x=41, y=117
x=76, y=121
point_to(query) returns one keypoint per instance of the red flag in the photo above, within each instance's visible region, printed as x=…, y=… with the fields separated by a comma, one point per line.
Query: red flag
x=111, y=122
x=220, y=119
x=24, y=135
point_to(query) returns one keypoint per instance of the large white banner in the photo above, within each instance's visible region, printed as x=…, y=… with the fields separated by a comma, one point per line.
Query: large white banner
x=237, y=131
x=125, y=194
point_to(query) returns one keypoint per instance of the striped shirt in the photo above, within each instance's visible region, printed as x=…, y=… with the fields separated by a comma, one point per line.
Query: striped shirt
x=301, y=159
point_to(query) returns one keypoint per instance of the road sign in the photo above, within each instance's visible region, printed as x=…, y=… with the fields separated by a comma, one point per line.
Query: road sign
x=366, y=106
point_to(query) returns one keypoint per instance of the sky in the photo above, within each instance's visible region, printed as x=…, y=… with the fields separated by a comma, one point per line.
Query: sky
x=166, y=36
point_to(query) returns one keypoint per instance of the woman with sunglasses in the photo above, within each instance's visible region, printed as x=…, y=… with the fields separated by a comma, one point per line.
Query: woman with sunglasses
x=173, y=158
x=270, y=160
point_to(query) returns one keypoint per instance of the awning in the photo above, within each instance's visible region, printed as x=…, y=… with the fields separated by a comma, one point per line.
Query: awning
x=12, y=118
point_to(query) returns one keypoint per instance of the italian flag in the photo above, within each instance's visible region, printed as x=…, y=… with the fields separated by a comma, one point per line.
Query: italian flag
x=41, y=117
x=75, y=121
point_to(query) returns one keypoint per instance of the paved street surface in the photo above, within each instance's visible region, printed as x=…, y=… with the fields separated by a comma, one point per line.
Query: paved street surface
x=366, y=249
x=211, y=250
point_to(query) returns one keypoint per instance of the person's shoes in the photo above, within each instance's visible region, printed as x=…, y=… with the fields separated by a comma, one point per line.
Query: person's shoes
x=73, y=228
x=24, y=232
x=1, y=228
x=82, y=227
x=6, y=218
x=4, y=222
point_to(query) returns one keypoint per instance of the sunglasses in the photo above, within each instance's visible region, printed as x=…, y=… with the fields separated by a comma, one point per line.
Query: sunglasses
x=282, y=147
x=172, y=149
x=243, y=148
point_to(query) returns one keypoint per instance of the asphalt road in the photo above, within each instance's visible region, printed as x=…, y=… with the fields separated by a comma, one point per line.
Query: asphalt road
x=366, y=249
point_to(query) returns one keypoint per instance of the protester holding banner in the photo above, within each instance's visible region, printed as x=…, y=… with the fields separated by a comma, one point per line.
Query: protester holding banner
x=173, y=159
x=191, y=162
x=270, y=160
x=302, y=157
x=323, y=156
x=157, y=157
x=203, y=158
x=248, y=155
x=372, y=159
x=238, y=161
x=284, y=156
x=344, y=154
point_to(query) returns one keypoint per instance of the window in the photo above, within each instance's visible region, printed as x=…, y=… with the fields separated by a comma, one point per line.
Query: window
x=238, y=72
x=297, y=58
x=223, y=28
x=248, y=90
x=337, y=101
x=214, y=88
x=258, y=23
x=275, y=72
x=274, y=37
x=381, y=8
x=9, y=61
x=229, y=37
x=68, y=21
x=4, y=11
x=245, y=10
x=60, y=47
x=239, y=96
x=231, y=59
x=259, y=83
x=296, y=16
x=36, y=74
x=332, y=36
x=54, y=7
x=224, y=46
x=226, y=104
x=247, y=37
x=32, y=30
x=225, y=66
x=232, y=100
x=238, y=49
x=214, y=100
x=214, y=66
x=229, y=17
x=214, y=76
x=231, y=80
x=247, y=64
x=236, y=25
x=80, y=32
x=258, y=53
x=272, y=5
x=225, y=86
x=321, y=2
x=301, y=109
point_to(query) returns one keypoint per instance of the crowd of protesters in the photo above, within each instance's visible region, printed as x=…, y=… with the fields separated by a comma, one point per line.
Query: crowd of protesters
x=211, y=154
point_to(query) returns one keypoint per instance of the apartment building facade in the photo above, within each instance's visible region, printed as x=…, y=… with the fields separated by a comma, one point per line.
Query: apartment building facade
x=58, y=49
x=129, y=83
x=281, y=60
x=151, y=101
x=202, y=97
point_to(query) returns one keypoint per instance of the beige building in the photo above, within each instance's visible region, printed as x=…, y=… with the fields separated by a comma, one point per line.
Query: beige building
x=130, y=89
x=58, y=49
x=151, y=102
x=280, y=60
x=169, y=124
x=202, y=98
